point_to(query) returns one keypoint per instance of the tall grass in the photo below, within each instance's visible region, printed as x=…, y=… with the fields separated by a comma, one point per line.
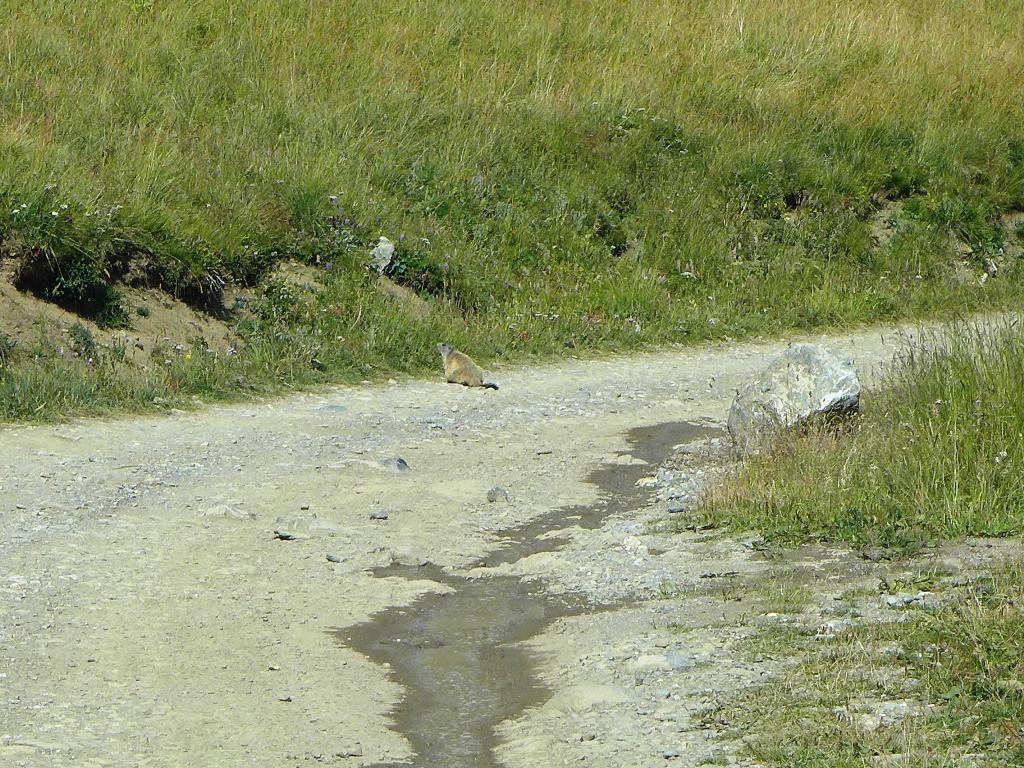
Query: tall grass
x=610, y=173
x=937, y=454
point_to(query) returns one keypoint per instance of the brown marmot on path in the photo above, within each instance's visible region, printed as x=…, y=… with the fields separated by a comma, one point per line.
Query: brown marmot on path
x=460, y=368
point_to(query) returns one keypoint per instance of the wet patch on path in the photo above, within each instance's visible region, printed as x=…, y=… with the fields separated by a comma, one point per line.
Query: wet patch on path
x=458, y=654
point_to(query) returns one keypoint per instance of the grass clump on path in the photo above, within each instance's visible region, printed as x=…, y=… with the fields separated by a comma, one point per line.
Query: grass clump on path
x=605, y=175
x=947, y=680
x=937, y=454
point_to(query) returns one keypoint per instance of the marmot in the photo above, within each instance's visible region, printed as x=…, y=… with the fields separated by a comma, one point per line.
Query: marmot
x=460, y=369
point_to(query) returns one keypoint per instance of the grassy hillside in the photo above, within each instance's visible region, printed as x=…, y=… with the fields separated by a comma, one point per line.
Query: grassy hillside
x=597, y=173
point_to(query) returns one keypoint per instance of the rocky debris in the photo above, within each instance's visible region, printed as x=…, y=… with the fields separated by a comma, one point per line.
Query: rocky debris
x=333, y=558
x=380, y=514
x=382, y=254
x=805, y=381
x=924, y=599
x=397, y=463
x=874, y=715
x=498, y=493
x=285, y=536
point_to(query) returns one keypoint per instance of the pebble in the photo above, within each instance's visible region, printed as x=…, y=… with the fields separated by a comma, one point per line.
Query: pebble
x=676, y=507
x=284, y=536
x=333, y=558
x=379, y=515
x=354, y=751
x=670, y=754
x=397, y=463
x=498, y=492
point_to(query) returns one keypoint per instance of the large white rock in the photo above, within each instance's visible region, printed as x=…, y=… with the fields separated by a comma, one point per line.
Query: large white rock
x=382, y=254
x=804, y=381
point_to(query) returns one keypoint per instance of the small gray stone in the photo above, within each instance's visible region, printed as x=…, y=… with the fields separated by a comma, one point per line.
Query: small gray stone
x=663, y=693
x=396, y=463
x=751, y=541
x=498, y=492
x=333, y=558
x=676, y=507
x=670, y=754
x=285, y=536
x=380, y=514
x=353, y=751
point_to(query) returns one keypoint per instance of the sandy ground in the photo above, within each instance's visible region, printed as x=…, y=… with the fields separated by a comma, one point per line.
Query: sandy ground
x=150, y=617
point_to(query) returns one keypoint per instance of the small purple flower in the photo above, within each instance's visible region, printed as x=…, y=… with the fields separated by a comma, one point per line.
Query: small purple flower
x=401, y=236
x=328, y=265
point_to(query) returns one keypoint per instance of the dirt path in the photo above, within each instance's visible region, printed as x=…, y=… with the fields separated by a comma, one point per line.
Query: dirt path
x=150, y=617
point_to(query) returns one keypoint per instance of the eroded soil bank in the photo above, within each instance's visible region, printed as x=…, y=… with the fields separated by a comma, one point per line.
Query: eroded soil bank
x=149, y=615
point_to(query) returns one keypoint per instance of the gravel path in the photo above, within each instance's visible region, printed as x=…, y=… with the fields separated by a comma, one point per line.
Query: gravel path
x=149, y=615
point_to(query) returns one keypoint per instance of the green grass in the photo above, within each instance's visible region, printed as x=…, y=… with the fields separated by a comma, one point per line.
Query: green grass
x=609, y=174
x=937, y=454
x=964, y=663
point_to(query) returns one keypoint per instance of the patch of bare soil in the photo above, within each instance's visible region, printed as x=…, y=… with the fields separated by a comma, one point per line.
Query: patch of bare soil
x=157, y=322
x=883, y=222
